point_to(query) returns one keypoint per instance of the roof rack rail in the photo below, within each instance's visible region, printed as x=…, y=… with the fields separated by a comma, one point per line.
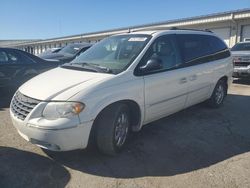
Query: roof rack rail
x=176, y=28
x=148, y=29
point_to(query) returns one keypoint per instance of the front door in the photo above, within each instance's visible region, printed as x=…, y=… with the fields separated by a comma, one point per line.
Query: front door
x=166, y=88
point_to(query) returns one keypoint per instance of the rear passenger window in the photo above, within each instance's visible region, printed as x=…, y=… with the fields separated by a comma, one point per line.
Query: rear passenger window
x=216, y=44
x=16, y=58
x=201, y=48
x=193, y=46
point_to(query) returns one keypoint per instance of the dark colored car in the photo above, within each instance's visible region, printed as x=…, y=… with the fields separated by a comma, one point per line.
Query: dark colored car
x=67, y=53
x=17, y=66
x=50, y=51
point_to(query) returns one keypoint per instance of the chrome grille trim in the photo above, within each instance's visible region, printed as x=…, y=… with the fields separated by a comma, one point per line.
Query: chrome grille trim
x=241, y=64
x=22, y=105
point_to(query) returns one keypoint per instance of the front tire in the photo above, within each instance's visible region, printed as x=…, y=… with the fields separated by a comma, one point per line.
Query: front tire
x=112, y=128
x=219, y=94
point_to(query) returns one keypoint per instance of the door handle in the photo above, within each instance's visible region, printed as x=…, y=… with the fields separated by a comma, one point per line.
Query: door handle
x=183, y=80
x=193, y=77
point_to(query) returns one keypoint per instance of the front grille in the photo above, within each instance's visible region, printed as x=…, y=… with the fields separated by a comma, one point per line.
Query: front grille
x=241, y=64
x=22, y=105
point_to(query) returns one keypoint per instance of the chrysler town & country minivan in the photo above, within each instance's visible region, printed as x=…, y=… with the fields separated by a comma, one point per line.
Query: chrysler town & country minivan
x=120, y=84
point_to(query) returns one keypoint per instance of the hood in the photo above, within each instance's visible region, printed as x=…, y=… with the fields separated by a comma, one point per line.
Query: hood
x=60, y=83
x=58, y=56
x=240, y=53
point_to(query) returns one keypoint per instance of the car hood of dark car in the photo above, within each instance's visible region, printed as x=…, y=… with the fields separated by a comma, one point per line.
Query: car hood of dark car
x=59, y=56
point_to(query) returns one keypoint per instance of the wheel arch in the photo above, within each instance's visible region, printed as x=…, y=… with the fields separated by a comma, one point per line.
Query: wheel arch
x=134, y=108
x=135, y=113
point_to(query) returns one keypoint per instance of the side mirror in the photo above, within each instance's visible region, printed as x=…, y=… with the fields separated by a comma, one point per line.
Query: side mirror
x=151, y=65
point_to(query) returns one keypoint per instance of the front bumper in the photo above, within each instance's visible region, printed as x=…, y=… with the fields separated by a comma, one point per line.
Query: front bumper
x=241, y=72
x=75, y=137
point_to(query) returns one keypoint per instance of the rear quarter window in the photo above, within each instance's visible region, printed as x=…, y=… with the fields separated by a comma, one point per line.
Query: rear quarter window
x=216, y=44
x=193, y=46
x=201, y=48
x=16, y=57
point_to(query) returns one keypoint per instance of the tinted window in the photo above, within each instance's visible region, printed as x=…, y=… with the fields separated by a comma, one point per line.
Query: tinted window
x=164, y=49
x=84, y=49
x=17, y=58
x=241, y=47
x=71, y=49
x=216, y=44
x=202, y=47
x=193, y=46
x=3, y=57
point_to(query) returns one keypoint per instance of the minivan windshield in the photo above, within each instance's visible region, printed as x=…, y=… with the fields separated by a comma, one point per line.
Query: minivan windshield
x=114, y=53
x=241, y=47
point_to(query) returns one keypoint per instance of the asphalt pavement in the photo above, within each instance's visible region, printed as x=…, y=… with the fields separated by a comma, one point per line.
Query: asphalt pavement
x=197, y=147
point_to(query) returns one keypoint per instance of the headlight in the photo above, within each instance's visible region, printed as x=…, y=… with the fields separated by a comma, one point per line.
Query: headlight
x=55, y=110
x=236, y=59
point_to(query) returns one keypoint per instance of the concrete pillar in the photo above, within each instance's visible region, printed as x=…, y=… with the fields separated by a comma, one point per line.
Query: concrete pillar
x=239, y=28
x=43, y=48
x=233, y=34
x=32, y=49
x=40, y=49
x=35, y=50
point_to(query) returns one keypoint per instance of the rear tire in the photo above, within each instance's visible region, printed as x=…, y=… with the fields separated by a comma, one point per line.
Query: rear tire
x=112, y=128
x=219, y=94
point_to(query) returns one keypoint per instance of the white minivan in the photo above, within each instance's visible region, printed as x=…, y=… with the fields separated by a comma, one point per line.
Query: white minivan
x=120, y=84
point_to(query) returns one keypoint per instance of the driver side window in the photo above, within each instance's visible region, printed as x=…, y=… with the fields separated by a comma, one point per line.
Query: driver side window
x=163, y=50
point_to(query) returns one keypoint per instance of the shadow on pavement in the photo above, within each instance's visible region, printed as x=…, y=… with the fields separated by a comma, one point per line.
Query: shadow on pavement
x=25, y=169
x=195, y=138
x=243, y=81
x=5, y=97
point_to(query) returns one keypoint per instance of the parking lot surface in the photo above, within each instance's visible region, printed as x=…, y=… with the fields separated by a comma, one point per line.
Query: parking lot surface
x=197, y=147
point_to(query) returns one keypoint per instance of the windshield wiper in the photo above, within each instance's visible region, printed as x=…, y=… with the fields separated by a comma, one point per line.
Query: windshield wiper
x=87, y=66
x=93, y=66
x=78, y=67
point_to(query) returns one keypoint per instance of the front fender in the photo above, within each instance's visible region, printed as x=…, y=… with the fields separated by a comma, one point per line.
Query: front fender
x=103, y=98
x=99, y=107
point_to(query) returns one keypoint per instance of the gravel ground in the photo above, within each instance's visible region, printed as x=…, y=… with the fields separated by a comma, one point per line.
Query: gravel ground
x=197, y=147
